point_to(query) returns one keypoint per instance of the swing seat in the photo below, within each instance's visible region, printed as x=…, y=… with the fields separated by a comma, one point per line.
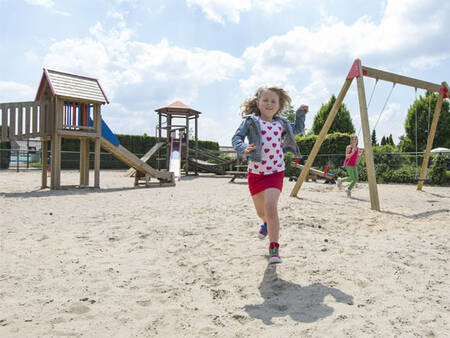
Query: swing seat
x=420, y=179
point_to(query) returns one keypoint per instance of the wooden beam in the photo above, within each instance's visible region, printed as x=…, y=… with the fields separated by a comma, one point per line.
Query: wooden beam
x=98, y=128
x=4, y=122
x=20, y=121
x=323, y=133
x=371, y=176
x=426, y=157
x=76, y=134
x=27, y=121
x=400, y=79
x=44, y=158
x=12, y=123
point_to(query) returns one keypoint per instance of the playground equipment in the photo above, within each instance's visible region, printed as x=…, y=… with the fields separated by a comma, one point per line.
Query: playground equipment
x=358, y=71
x=315, y=173
x=166, y=129
x=68, y=105
x=175, y=153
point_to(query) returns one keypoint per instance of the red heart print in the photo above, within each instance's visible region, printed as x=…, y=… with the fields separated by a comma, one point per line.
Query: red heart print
x=280, y=165
x=279, y=128
x=270, y=128
x=262, y=143
x=274, y=145
x=276, y=133
x=263, y=132
x=278, y=151
x=263, y=162
x=279, y=139
x=269, y=168
x=271, y=156
x=261, y=172
x=269, y=138
x=275, y=171
x=281, y=155
x=266, y=150
x=256, y=166
x=275, y=162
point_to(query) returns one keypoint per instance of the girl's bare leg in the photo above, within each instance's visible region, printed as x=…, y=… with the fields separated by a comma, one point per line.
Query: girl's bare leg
x=258, y=201
x=271, y=196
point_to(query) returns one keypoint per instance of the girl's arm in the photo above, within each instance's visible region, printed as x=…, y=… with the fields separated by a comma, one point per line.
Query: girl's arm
x=238, y=140
x=361, y=152
x=298, y=127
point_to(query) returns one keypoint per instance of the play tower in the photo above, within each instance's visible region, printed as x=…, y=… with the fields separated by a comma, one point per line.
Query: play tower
x=69, y=106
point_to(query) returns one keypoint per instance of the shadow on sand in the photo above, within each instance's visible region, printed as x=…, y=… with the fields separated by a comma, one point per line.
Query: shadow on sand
x=302, y=303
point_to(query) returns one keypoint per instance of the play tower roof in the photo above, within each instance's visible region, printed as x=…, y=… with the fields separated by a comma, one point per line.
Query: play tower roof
x=178, y=107
x=71, y=86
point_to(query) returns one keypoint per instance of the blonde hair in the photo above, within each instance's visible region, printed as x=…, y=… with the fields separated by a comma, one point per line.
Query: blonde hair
x=249, y=107
x=352, y=137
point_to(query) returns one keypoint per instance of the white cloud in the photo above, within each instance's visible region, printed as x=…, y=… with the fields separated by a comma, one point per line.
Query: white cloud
x=140, y=76
x=398, y=39
x=16, y=92
x=43, y=3
x=222, y=10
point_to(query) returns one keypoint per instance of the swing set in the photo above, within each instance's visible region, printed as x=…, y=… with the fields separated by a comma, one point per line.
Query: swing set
x=358, y=71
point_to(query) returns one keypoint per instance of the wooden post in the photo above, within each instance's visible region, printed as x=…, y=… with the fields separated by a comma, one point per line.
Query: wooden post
x=187, y=144
x=374, y=201
x=159, y=140
x=196, y=144
x=44, y=158
x=426, y=158
x=304, y=173
x=56, y=148
x=84, y=162
x=98, y=128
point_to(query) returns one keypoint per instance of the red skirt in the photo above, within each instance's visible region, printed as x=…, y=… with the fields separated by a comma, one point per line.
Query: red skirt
x=258, y=183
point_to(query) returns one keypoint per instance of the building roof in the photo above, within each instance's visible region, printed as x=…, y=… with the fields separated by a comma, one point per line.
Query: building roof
x=178, y=107
x=72, y=86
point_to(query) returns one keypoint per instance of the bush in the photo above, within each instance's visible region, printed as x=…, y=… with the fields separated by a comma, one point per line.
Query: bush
x=332, y=144
x=137, y=144
x=289, y=170
x=438, y=171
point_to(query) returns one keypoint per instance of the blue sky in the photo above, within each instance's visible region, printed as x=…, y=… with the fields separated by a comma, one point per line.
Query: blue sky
x=213, y=54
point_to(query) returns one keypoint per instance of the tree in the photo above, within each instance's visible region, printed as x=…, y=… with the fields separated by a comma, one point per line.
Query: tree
x=390, y=140
x=342, y=122
x=383, y=141
x=442, y=136
x=289, y=113
x=374, y=138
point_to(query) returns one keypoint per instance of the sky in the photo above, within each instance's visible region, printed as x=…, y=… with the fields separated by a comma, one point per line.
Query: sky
x=214, y=54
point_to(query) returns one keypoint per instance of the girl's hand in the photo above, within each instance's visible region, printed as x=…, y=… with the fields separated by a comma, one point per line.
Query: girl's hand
x=250, y=148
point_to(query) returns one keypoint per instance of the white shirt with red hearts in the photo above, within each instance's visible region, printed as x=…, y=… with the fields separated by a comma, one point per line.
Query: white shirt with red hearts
x=272, y=158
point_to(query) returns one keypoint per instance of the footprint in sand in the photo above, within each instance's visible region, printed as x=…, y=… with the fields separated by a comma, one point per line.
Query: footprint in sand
x=144, y=302
x=78, y=309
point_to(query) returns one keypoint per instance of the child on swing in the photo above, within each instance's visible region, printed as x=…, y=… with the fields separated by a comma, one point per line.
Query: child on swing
x=269, y=135
x=352, y=153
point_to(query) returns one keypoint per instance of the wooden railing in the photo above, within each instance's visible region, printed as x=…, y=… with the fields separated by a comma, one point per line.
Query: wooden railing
x=23, y=120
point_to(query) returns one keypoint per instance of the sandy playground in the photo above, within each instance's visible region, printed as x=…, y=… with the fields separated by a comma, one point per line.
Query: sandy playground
x=186, y=262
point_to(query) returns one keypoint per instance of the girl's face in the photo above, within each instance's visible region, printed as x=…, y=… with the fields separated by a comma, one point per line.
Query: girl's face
x=354, y=140
x=268, y=104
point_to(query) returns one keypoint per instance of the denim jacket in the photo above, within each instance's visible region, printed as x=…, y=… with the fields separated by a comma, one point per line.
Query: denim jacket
x=251, y=129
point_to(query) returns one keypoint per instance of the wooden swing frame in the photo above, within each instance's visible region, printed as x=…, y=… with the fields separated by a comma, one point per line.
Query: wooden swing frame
x=358, y=71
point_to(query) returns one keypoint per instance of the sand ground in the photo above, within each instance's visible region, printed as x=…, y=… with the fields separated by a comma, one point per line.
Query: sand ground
x=185, y=261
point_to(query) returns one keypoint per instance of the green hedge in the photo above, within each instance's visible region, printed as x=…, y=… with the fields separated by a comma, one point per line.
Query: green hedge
x=137, y=144
x=5, y=153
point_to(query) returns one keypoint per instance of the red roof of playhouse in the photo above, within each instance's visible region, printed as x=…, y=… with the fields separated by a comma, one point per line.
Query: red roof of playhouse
x=72, y=86
x=178, y=107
